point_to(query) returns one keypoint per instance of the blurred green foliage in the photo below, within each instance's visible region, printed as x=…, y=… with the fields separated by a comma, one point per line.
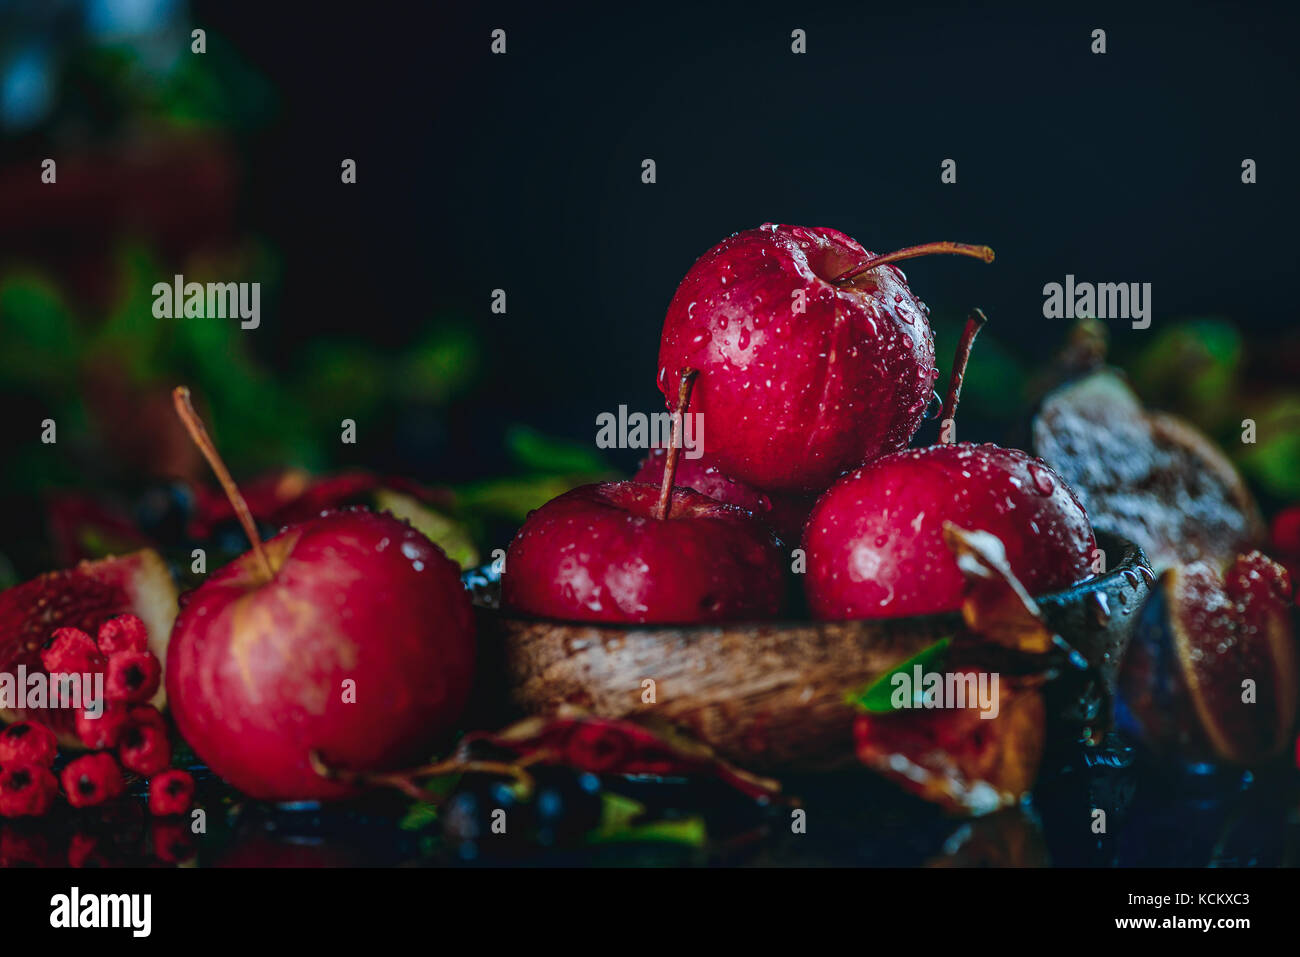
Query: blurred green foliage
x=114, y=83
x=995, y=385
x=1198, y=368
x=261, y=421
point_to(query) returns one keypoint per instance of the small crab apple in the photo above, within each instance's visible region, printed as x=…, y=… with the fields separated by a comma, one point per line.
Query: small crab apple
x=92, y=779
x=814, y=355
x=170, y=792
x=875, y=540
x=875, y=543
x=123, y=633
x=784, y=514
x=625, y=551
x=26, y=790
x=265, y=651
x=28, y=742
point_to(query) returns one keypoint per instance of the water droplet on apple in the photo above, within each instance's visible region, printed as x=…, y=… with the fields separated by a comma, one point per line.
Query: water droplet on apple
x=1043, y=483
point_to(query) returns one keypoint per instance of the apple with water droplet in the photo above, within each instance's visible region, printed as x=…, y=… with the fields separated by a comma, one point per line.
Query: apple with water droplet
x=634, y=552
x=784, y=514
x=814, y=355
x=348, y=635
x=601, y=553
x=874, y=541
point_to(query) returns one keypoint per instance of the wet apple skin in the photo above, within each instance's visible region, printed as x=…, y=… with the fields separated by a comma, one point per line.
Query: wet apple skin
x=256, y=670
x=598, y=553
x=874, y=541
x=793, y=399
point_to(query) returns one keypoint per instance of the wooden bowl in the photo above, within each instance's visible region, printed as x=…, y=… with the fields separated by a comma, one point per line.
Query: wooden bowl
x=771, y=695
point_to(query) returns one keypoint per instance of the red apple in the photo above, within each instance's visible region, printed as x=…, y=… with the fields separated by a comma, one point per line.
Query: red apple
x=814, y=355
x=600, y=553
x=874, y=541
x=785, y=514
x=626, y=551
x=349, y=635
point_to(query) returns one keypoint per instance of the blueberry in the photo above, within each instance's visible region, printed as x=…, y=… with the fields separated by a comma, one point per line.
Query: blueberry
x=568, y=804
x=163, y=511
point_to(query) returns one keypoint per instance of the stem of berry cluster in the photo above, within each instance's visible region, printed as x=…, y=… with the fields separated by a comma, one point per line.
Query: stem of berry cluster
x=675, y=445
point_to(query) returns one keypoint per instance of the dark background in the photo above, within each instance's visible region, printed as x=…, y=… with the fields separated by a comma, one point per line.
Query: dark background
x=523, y=172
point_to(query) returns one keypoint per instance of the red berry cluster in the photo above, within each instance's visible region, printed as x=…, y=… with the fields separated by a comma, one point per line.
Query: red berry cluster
x=127, y=724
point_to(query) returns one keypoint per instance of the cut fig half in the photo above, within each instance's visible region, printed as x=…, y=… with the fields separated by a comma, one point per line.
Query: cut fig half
x=84, y=597
x=1211, y=675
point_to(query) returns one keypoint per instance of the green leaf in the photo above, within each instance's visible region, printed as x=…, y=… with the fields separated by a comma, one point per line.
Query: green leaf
x=1273, y=460
x=42, y=342
x=877, y=697
x=514, y=498
x=1191, y=367
x=618, y=825
x=419, y=816
x=443, y=363
x=540, y=453
x=423, y=813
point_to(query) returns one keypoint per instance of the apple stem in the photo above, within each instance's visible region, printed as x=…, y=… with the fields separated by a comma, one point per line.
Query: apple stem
x=974, y=323
x=911, y=252
x=199, y=433
x=675, y=445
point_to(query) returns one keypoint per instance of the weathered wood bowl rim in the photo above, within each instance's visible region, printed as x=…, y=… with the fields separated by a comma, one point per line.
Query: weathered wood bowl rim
x=772, y=694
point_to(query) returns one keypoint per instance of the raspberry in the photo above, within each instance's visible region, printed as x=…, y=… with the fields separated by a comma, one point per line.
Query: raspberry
x=123, y=633
x=103, y=732
x=28, y=743
x=170, y=793
x=133, y=676
x=26, y=790
x=144, y=749
x=71, y=651
x=92, y=779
